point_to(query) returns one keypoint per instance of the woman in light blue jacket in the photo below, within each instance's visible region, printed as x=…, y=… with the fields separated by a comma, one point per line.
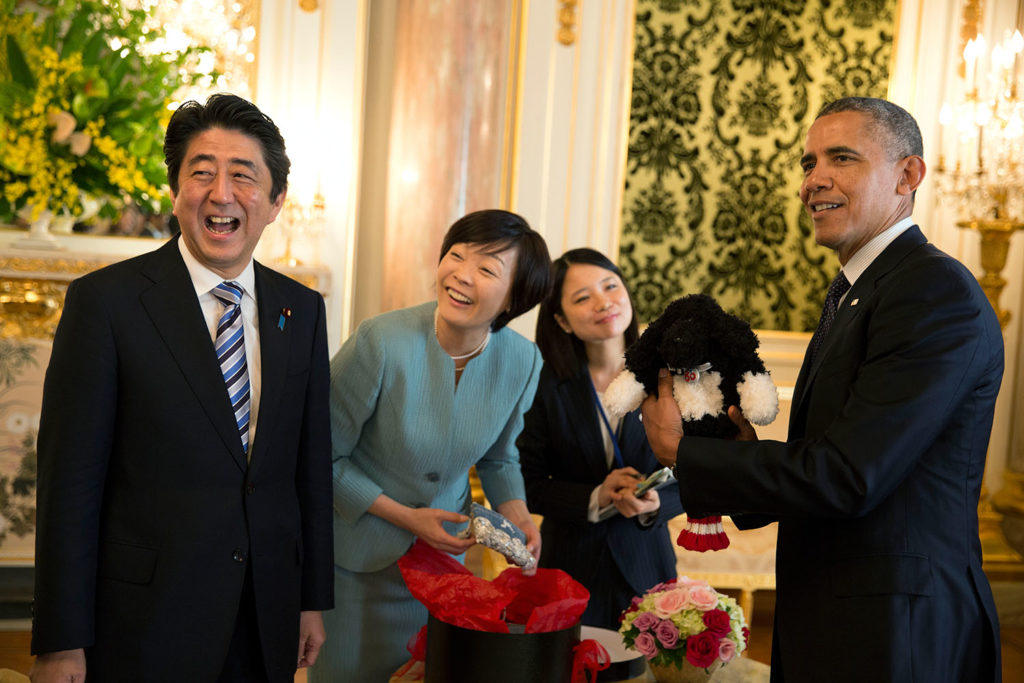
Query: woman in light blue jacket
x=418, y=396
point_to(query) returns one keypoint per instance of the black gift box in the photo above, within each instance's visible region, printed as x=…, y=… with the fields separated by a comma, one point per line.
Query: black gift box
x=467, y=656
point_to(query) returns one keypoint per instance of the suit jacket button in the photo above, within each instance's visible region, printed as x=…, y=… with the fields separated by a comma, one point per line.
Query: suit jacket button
x=250, y=489
x=433, y=476
x=238, y=556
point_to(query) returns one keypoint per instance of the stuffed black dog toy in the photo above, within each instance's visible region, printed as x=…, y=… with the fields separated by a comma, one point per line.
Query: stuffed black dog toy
x=712, y=356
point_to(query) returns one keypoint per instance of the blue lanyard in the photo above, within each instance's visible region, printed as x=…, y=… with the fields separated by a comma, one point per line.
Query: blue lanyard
x=604, y=418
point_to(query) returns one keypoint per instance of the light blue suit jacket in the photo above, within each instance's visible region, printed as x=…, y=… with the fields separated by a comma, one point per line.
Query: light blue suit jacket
x=400, y=427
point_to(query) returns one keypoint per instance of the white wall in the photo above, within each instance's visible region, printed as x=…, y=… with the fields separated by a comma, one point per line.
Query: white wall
x=310, y=81
x=574, y=124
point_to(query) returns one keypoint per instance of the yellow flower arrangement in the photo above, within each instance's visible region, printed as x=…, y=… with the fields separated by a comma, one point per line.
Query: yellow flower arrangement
x=83, y=109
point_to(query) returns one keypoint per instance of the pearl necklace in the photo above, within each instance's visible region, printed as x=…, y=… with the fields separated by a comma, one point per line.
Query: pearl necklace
x=480, y=347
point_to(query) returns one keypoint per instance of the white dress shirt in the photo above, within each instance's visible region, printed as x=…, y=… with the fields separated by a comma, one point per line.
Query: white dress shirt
x=205, y=280
x=866, y=255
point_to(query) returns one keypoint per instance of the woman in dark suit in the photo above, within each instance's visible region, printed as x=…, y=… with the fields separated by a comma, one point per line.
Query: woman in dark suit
x=576, y=461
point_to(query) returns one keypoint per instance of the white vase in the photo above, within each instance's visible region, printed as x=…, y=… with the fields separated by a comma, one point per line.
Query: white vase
x=39, y=235
x=62, y=224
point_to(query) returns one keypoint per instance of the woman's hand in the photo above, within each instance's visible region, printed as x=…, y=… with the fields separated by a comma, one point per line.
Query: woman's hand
x=517, y=513
x=629, y=505
x=616, y=484
x=424, y=523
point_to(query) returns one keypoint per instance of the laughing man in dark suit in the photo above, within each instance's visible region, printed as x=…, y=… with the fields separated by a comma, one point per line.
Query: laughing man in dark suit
x=876, y=492
x=184, y=449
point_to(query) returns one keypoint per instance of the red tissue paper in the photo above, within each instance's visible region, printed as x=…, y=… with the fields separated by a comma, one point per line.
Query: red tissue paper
x=550, y=600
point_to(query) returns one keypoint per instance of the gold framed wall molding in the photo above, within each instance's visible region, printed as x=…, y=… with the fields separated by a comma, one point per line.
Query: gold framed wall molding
x=32, y=289
x=33, y=285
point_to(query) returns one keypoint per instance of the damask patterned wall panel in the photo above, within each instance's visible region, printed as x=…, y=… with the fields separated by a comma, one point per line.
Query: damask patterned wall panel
x=723, y=93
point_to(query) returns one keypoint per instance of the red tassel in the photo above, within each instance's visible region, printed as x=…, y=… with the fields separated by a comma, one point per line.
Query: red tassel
x=702, y=534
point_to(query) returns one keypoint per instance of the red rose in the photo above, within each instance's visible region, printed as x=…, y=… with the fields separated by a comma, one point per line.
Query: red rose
x=717, y=621
x=702, y=649
x=746, y=635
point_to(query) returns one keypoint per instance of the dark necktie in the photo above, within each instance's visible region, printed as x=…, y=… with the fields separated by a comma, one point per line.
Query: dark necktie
x=230, y=346
x=840, y=285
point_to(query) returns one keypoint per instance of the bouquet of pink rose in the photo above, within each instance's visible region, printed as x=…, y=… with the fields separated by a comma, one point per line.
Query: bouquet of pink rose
x=685, y=620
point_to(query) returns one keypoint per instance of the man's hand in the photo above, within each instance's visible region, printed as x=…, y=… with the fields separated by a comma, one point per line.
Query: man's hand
x=65, y=666
x=311, y=638
x=747, y=432
x=662, y=421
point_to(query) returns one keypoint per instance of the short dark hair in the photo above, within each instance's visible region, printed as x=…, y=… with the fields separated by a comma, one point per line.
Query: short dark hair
x=565, y=353
x=502, y=230
x=902, y=134
x=229, y=112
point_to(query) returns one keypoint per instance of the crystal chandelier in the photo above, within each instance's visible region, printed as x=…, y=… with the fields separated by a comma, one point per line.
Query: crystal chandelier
x=985, y=181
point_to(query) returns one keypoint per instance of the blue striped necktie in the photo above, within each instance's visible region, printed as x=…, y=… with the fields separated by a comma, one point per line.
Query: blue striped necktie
x=230, y=346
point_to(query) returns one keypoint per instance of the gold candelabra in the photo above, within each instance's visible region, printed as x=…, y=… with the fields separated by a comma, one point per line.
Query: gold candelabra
x=995, y=244
x=302, y=226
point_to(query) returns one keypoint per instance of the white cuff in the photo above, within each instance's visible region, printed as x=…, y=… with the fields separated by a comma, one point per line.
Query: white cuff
x=593, y=508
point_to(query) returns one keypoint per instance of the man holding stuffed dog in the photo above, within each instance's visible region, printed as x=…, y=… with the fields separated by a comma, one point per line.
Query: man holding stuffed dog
x=876, y=491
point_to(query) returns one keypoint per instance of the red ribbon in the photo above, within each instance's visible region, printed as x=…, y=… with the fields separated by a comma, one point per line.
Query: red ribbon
x=589, y=657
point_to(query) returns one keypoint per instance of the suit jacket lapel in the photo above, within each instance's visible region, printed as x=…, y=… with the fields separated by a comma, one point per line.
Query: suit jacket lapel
x=274, y=343
x=575, y=394
x=861, y=292
x=172, y=306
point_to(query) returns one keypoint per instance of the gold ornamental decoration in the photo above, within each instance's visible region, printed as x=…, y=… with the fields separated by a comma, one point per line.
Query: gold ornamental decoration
x=567, y=22
x=30, y=308
x=969, y=29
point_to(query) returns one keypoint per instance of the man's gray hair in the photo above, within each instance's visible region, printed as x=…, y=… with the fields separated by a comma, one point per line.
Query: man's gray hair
x=902, y=136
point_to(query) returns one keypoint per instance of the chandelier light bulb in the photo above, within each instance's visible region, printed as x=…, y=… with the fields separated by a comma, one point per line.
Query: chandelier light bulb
x=945, y=114
x=1016, y=42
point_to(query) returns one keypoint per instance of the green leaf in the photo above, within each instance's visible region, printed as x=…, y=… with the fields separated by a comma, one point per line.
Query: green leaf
x=49, y=32
x=20, y=71
x=95, y=85
x=76, y=35
x=139, y=147
x=93, y=48
x=12, y=94
x=120, y=71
